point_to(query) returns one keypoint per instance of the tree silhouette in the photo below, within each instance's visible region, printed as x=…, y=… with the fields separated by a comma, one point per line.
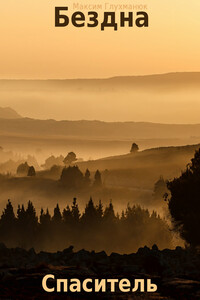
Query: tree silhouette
x=70, y=158
x=90, y=213
x=27, y=224
x=21, y=213
x=45, y=218
x=95, y=229
x=184, y=204
x=67, y=215
x=72, y=177
x=45, y=228
x=160, y=189
x=7, y=222
x=8, y=213
x=57, y=218
x=97, y=179
x=109, y=213
x=123, y=216
x=31, y=218
x=23, y=169
x=87, y=178
x=75, y=211
x=31, y=161
x=99, y=209
x=134, y=148
x=31, y=171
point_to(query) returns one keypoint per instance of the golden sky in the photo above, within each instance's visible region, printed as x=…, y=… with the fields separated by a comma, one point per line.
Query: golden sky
x=31, y=47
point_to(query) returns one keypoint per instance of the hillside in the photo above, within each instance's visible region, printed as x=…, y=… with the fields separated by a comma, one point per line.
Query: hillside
x=141, y=170
x=150, y=157
x=8, y=113
x=128, y=178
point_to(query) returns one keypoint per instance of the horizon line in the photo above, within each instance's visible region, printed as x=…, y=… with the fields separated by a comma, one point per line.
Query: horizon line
x=97, y=120
x=102, y=78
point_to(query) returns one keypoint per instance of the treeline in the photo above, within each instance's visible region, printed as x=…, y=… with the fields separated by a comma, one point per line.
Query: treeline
x=95, y=229
x=71, y=176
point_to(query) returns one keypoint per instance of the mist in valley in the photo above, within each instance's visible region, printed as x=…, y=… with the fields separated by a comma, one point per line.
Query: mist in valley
x=168, y=98
x=135, y=179
x=35, y=145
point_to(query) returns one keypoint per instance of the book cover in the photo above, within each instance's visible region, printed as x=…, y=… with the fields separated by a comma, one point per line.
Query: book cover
x=100, y=149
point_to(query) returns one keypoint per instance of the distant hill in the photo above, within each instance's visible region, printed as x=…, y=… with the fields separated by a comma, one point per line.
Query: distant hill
x=162, y=98
x=157, y=83
x=8, y=113
x=92, y=139
x=97, y=129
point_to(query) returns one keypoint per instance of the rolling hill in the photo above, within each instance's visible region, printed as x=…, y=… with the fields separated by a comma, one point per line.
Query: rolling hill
x=142, y=169
x=91, y=139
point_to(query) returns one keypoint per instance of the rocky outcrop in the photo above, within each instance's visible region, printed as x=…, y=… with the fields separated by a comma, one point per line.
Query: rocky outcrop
x=176, y=272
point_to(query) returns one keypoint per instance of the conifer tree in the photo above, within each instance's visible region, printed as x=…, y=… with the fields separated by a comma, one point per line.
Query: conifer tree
x=57, y=217
x=75, y=211
x=97, y=179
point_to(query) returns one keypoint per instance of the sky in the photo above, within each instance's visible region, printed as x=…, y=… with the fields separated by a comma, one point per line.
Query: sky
x=31, y=46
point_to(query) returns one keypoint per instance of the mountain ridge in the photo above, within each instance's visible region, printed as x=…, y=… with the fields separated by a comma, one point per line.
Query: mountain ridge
x=97, y=129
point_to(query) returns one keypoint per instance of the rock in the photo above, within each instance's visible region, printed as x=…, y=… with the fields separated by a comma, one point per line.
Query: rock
x=155, y=247
x=2, y=246
x=143, y=251
x=68, y=250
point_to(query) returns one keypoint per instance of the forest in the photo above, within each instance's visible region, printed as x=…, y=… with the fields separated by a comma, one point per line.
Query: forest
x=96, y=228
x=128, y=178
x=50, y=223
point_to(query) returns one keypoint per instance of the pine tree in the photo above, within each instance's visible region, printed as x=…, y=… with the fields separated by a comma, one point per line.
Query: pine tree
x=57, y=217
x=31, y=171
x=45, y=218
x=109, y=214
x=97, y=179
x=8, y=216
x=100, y=210
x=8, y=224
x=67, y=215
x=90, y=213
x=75, y=211
x=87, y=177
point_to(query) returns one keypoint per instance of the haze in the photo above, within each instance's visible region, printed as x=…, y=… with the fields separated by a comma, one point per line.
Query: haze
x=169, y=98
